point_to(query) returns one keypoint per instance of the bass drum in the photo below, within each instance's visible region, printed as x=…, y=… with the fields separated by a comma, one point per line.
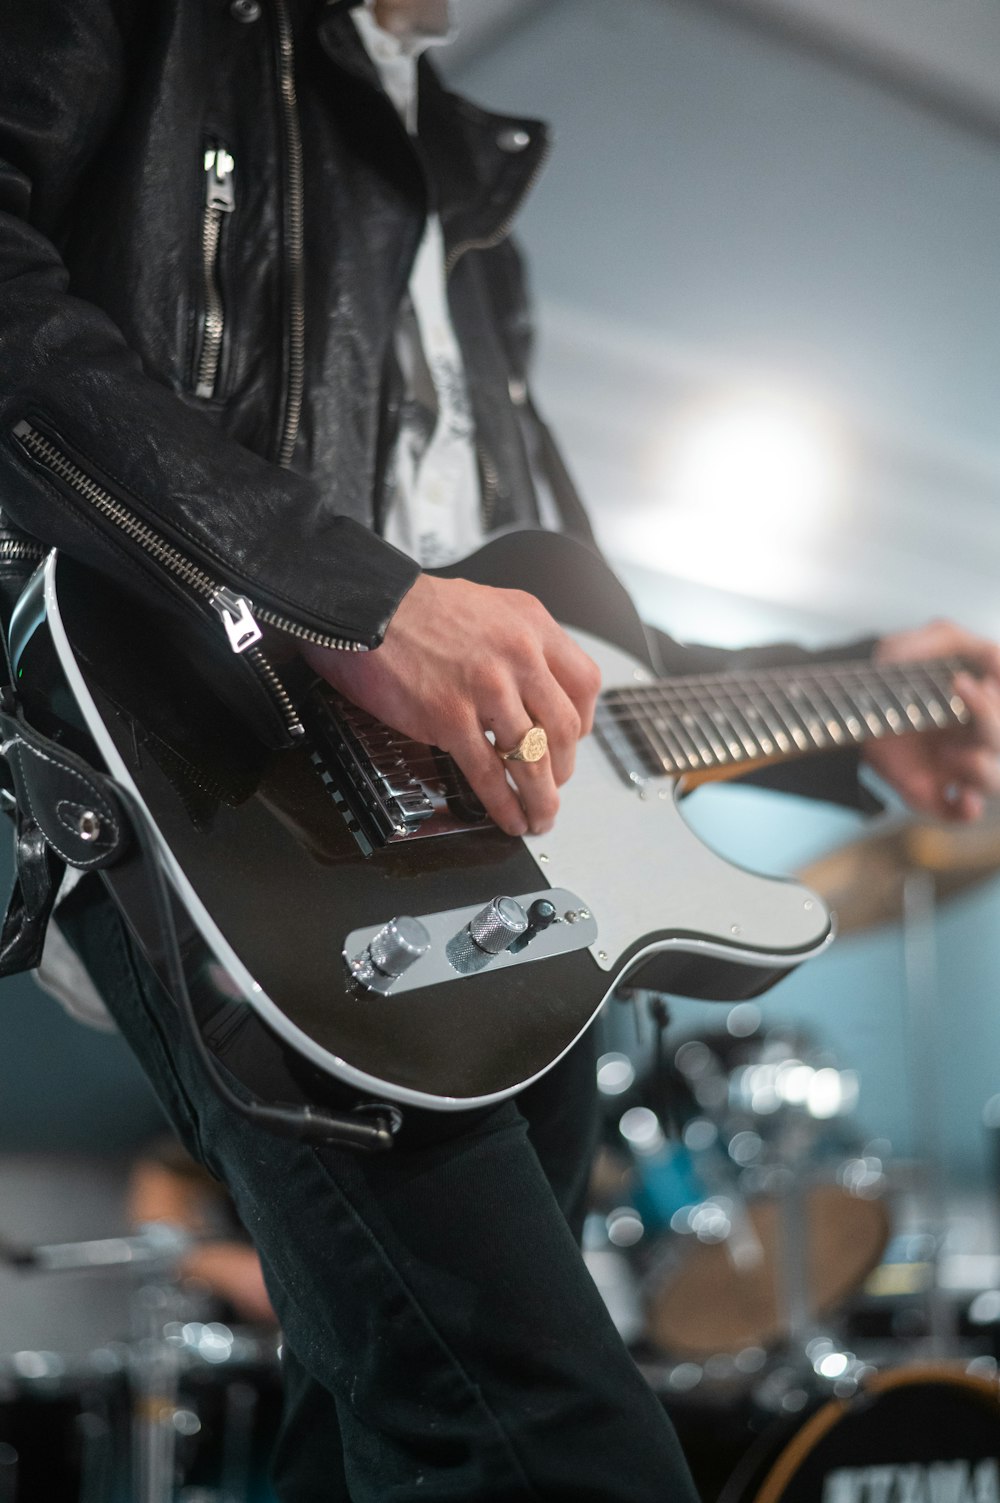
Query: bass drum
x=921, y=1433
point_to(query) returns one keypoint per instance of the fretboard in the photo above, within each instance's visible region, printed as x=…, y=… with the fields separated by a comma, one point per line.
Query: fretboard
x=720, y=723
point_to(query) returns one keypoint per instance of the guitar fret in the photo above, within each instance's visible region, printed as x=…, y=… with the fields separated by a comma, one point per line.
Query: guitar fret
x=772, y=718
x=671, y=758
x=738, y=744
x=755, y=749
x=678, y=753
x=838, y=698
x=755, y=720
x=823, y=727
x=694, y=757
x=842, y=727
x=703, y=721
x=916, y=711
x=805, y=730
x=736, y=716
x=896, y=712
x=864, y=706
x=918, y=707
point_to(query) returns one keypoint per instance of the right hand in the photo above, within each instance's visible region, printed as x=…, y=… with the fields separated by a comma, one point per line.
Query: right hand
x=460, y=659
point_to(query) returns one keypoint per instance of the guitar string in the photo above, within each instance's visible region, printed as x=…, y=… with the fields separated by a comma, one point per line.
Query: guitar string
x=714, y=704
x=894, y=715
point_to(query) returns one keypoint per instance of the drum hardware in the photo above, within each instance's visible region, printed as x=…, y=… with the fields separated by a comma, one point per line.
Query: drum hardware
x=63, y=1427
x=142, y=1401
x=901, y=872
x=760, y=1215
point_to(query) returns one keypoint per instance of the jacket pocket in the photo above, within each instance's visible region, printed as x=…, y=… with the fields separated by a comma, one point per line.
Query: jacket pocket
x=213, y=312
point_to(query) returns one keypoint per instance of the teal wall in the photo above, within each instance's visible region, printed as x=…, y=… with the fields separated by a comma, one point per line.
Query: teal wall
x=63, y=1087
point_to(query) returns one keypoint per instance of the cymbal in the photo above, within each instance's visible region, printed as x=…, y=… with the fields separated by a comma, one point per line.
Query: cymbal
x=863, y=882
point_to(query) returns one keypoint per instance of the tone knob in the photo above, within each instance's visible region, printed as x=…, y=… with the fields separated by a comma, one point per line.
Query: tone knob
x=498, y=925
x=397, y=946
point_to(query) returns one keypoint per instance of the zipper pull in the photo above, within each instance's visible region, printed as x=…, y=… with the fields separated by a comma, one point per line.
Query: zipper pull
x=219, y=192
x=234, y=610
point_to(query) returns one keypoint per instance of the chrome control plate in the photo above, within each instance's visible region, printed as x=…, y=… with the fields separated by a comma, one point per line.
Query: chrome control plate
x=574, y=928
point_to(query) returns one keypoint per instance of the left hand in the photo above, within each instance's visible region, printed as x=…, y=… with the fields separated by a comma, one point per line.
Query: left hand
x=947, y=774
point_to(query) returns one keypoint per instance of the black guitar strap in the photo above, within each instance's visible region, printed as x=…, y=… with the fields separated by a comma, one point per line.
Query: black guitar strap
x=65, y=814
x=571, y=509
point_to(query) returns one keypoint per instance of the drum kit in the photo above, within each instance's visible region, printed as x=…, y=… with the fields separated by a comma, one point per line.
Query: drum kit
x=182, y=1410
x=754, y=1249
x=745, y=1237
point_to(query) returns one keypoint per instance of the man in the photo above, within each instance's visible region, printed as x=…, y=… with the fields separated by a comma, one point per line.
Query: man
x=229, y=230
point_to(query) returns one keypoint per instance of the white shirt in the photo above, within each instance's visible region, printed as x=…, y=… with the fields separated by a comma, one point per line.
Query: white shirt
x=435, y=511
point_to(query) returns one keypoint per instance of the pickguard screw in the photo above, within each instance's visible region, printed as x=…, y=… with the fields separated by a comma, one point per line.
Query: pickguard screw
x=543, y=857
x=735, y=929
x=602, y=954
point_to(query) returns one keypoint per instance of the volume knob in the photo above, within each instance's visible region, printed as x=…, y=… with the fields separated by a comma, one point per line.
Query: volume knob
x=498, y=925
x=397, y=946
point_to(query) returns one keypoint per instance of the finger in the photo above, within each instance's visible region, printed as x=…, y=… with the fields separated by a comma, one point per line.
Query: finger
x=980, y=651
x=974, y=767
x=549, y=706
x=963, y=804
x=577, y=675
x=983, y=701
x=535, y=781
x=487, y=778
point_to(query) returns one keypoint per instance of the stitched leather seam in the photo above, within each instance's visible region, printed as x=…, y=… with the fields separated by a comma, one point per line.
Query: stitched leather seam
x=72, y=825
x=73, y=860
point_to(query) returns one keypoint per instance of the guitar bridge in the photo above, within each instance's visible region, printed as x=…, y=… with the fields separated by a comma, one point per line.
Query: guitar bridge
x=388, y=787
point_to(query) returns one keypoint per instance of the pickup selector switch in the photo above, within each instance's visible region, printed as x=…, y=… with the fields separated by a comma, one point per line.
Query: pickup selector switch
x=390, y=952
x=497, y=925
x=541, y=914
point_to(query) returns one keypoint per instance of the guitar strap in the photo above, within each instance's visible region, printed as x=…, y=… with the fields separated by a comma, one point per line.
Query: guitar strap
x=571, y=509
x=65, y=814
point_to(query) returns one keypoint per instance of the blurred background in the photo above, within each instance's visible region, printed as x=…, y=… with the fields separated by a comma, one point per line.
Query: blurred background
x=765, y=255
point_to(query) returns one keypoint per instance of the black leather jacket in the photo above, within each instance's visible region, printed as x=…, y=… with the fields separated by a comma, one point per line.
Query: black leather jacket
x=204, y=357
x=208, y=213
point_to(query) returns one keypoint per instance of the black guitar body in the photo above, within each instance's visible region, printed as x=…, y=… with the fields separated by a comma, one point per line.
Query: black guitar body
x=275, y=857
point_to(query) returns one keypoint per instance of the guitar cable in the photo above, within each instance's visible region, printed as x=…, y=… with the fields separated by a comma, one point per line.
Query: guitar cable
x=370, y=1127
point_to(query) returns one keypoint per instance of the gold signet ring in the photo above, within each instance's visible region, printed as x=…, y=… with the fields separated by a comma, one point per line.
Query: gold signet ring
x=531, y=748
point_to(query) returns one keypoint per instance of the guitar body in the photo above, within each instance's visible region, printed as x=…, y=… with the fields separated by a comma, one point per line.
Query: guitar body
x=275, y=860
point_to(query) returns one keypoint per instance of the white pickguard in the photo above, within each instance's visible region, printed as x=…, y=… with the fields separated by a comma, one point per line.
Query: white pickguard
x=629, y=853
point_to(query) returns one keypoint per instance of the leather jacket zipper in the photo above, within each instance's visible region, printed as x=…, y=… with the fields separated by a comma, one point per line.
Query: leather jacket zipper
x=220, y=201
x=489, y=480
x=487, y=242
x=240, y=618
x=293, y=236
x=15, y=551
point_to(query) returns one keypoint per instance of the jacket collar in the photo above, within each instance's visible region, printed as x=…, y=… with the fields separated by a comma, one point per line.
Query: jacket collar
x=479, y=165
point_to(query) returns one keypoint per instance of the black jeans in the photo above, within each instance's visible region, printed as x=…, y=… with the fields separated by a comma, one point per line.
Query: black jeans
x=443, y=1338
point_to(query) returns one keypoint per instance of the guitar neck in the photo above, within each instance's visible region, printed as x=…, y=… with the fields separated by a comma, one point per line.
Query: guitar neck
x=719, y=725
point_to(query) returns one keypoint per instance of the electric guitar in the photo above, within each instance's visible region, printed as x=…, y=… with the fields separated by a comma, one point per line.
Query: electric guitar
x=353, y=892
